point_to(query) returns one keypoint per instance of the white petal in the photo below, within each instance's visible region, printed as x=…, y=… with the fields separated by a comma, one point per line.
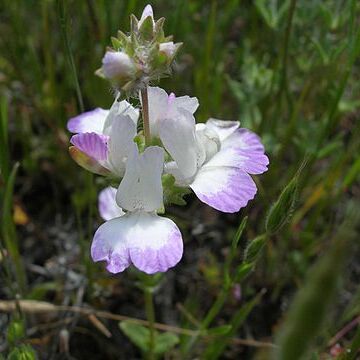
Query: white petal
x=158, y=103
x=122, y=133
x=120, y=109
x=109, y=244
x=178, y=136
x=223, y=128
x=90, y=121
x=152, y=243
x=108, y=208
x=187, y=103
x=162, y=105
x=141, y=187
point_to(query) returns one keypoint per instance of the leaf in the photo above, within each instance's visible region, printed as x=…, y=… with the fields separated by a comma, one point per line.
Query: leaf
x=254, y=248
x=138, y=334
x=165, y=342
x=23, y=352
x=146, y=30
x=173, y=194
x=239, y=231
x=282, y=210
x=15, y=331
x=219, y=330
x=243, y=271
x=307, y=314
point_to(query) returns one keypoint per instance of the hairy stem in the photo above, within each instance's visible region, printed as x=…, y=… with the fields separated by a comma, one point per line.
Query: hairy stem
x=145, y=115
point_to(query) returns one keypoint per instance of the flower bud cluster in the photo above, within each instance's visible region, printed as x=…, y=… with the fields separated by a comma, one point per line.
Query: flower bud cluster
x=144, y=55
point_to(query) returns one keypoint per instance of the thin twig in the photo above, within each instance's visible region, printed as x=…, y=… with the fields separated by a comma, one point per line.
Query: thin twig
x=32, y=306
x=344, y=331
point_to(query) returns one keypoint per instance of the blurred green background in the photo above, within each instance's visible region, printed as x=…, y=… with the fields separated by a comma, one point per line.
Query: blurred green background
x=288, y=70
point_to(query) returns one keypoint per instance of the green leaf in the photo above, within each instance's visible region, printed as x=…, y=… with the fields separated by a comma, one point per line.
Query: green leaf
x=138, y=334
x=165, y=342
x=173, y=194
x=239, y=231
x=306, y=316
x=15, y=331
x=282, y=210
x=146, y=30
x=243, y=271
x=254, y=248
x=23, y=352
x=219, y=330
x=116, y=43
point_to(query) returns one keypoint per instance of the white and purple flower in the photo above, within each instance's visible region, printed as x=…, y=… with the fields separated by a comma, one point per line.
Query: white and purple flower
x=214, y=159
x=103, y=137
x=140, y=237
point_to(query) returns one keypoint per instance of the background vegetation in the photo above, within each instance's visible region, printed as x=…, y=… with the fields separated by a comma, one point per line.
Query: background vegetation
x=290, y=71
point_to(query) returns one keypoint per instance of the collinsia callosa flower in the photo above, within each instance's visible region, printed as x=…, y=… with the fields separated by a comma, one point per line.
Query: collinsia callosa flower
x=214, y=159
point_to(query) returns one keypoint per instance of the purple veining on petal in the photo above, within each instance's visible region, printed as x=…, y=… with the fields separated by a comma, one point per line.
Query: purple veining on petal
x=151, y=259
x=246, y=140
x=89, y=121
x=253, y=162
x=231, y=194
x=92, y=144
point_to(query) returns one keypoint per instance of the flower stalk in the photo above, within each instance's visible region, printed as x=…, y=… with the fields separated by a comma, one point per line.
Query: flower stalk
x=145, y=115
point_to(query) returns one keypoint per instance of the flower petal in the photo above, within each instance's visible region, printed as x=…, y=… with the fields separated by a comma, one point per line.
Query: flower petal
x=152, y=243
x=252, y=162
x=227, y=189
x=158, y=103
x=156, y=244
x=162, y=105
x=187, y=103
x=87, y=162
x=141, y=187
x=110, y=244
x=92, y=144
x=244, y=149
x=223, y=128
x=90, y=121
x=244, y=139
x=118, y=110
x=122, y=133
x=178, y=136
x=108, y=208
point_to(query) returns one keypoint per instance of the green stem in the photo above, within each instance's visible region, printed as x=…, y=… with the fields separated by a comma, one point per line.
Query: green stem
x=145, y=115
x=150, y=315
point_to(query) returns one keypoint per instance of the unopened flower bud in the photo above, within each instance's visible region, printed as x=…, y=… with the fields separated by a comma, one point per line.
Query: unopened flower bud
x=148, y=11
x=117, y=66
x=169, y=48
